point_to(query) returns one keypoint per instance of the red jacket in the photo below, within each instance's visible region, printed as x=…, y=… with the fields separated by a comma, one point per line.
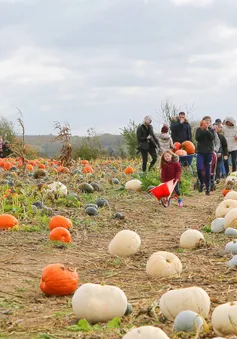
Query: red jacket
x=171, y=170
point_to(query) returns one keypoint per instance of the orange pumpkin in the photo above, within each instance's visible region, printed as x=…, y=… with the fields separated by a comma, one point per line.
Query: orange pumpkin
x=188, y=146
x=60, y=234
x=225, y=191
x=29, y=167
x=42, y=166
x=128, y=170
x=59, y=221
x=56, y=279
x=7, y=221
x=87, y=169
x=203, y=124
x=7, y=165
x=177, y=145
x=62, y=169
x=85, y=162
x=181, y=152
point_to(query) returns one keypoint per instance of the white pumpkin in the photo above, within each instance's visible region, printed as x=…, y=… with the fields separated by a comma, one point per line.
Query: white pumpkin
x=224, y=207
x=224, y=319
x=217, y=225
x=231, y=195
x=188, y=321
x=231, y=219
x=133, y=185
x=57, y=187
x=146, y=332
x=191, y=298
x=233, y=262
x=231, y=178
x=231, y=247
x=231, y=232
x=97, y=303
x=124, y=243
x=191, y=239
x=163, y=264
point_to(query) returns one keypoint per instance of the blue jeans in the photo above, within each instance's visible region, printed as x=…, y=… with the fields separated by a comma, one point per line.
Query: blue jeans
x=233, y=156
x=204, y=165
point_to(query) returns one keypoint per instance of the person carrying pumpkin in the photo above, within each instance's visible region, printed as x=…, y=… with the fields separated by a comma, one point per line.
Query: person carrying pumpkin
x=165, y=140
x=147, y=143
x=171, y=170
x=205, y=137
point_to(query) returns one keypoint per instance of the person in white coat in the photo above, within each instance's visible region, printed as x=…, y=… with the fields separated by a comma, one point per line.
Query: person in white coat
x=165, y=140
x=229, y=130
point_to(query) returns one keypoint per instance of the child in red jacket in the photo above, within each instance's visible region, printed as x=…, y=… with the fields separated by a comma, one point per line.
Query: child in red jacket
x=171, y=169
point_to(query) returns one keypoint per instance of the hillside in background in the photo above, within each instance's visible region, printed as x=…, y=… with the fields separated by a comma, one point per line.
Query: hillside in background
x=45, y=146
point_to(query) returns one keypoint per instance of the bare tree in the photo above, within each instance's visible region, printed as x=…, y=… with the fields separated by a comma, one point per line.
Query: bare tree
x=168, y=111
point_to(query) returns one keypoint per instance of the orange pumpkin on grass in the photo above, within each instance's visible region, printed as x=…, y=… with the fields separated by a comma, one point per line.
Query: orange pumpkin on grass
x=60, y=234
x=7, y=221
x=59, y=221
x=58, y=280
x=87, y=169
x=225, y=191
x=128, y=170
x=188, y=146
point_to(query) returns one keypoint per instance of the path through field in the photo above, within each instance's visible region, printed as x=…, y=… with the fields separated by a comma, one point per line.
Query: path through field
x=26, y=313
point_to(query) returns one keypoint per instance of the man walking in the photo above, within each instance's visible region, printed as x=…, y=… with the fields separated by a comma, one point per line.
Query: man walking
x=147, y=143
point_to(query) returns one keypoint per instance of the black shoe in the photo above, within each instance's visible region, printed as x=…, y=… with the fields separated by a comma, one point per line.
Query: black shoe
x=208, y=192
x=200, y=189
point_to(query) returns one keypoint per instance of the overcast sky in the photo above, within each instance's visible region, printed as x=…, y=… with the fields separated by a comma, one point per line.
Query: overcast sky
x=99, y=63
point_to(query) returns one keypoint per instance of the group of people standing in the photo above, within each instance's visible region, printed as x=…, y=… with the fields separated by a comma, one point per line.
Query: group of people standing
x=218, y=137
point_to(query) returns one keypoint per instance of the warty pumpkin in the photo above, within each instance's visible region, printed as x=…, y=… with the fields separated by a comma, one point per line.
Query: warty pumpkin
x=7, y=221
x=59, y=221
x=58, y=280
x=60, y=234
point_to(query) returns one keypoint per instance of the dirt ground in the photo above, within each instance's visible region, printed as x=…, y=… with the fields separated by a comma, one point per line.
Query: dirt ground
x=26, y=313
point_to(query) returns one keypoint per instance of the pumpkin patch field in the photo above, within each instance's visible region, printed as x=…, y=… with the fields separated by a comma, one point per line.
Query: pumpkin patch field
x=88, y=252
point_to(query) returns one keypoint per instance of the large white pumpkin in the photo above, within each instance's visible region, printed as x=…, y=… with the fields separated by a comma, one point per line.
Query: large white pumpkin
x=231, y=219
x=217, y=225
x=191, y=239
x=163, y=264
x=231, y=195
x=97, y=303
x=191, y=298
x=124, y=243
x=133, y=185
x=231, y=178
x=146, y=332
x=224, y=319
x=224, y=207
x=57, y=187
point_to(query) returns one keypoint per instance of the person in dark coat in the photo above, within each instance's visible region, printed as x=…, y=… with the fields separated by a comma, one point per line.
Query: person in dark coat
x=6, y=149
x=147, y=143
x=222, y=153
x=205, y=137
x=181, y=129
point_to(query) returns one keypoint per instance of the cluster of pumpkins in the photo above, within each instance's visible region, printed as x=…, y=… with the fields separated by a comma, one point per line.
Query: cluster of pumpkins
x=186, y=148
x=187, y=307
